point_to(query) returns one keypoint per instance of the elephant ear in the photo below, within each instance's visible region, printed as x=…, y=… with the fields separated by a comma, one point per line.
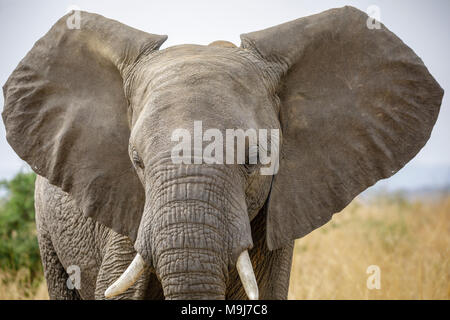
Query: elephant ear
x=356, y=104
x=65, y=114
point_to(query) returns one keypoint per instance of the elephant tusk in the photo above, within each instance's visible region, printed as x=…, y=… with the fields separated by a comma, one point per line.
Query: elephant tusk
x=248, y=279
x=128, y=278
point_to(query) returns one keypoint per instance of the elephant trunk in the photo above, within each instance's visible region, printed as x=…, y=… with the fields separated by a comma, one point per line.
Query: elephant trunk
x=137, y=266
x=194, y=227
x=190, y=251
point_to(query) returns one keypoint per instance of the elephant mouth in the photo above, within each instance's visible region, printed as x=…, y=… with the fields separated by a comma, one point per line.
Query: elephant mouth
x=138, y=266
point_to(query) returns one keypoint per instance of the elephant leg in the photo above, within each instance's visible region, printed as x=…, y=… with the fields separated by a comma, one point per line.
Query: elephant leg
x=118, y=256
x=55, y=274
x=272, y=268
x=275, y=277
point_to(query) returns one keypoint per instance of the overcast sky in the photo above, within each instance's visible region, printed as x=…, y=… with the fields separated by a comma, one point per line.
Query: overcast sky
x=423, y=25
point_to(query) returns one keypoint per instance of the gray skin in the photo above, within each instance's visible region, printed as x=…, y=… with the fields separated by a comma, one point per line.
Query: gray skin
x=103, y=255
x=214, y=208
x=93, y=110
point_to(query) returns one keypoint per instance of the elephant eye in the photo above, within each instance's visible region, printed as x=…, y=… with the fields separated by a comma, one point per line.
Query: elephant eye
x=137, y=160
x=250, y=168
x=251, y=160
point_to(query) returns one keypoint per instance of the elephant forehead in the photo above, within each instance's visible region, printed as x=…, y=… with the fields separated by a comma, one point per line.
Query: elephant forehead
x=193, y=65
x=203, y=83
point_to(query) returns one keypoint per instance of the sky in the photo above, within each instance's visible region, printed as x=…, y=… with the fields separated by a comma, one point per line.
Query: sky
x=422, y=25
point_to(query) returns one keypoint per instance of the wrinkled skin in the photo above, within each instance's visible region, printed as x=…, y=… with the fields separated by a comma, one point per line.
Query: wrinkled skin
x=103, y=255
x=93, y=112
x=208, y=223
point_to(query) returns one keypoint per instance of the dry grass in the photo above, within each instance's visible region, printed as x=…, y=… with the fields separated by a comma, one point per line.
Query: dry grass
x=17, y=285
x=410, y=242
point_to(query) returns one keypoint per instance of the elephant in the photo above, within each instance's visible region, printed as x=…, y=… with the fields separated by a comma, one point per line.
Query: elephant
x=93, y=111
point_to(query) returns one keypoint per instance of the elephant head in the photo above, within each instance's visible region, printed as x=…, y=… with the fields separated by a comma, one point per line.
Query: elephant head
x=94, y=110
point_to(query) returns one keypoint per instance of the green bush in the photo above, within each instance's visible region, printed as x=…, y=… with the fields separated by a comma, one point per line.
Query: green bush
x=18, y=242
